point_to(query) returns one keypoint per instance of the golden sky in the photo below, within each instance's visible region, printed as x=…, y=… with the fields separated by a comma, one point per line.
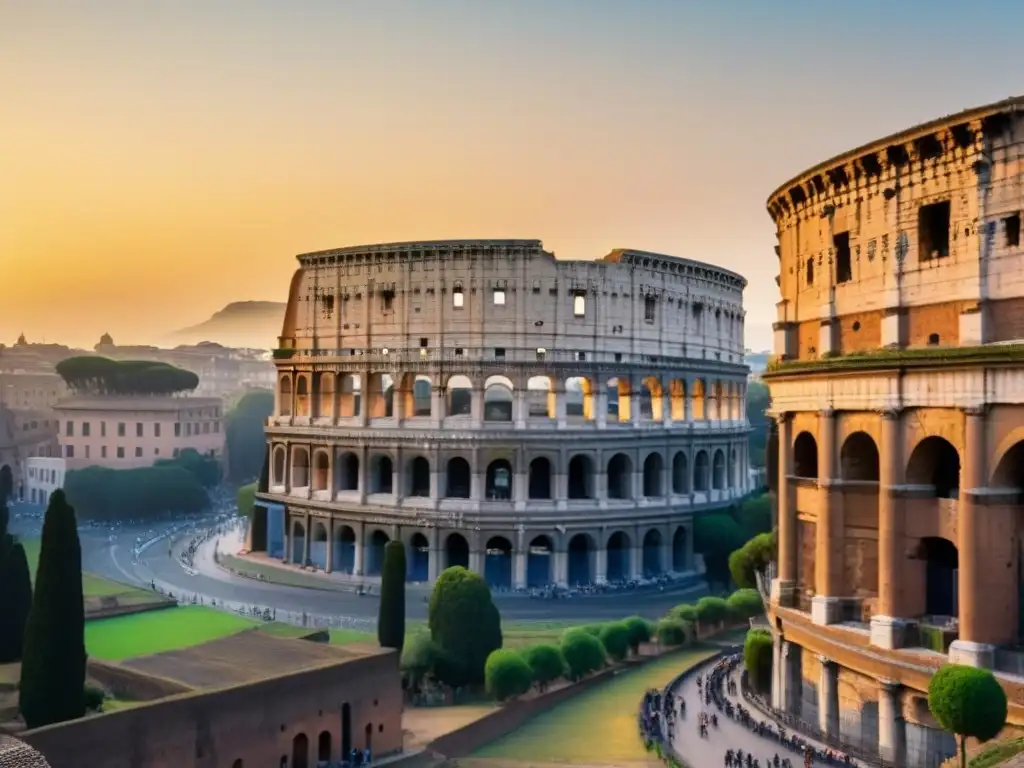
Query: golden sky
x=161, y=159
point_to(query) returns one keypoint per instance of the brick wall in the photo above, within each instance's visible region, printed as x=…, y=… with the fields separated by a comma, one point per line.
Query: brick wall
x=1005, y=319
x=860, y=332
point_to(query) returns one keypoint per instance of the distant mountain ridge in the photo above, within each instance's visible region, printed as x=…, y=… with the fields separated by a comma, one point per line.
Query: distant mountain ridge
x=255, y=324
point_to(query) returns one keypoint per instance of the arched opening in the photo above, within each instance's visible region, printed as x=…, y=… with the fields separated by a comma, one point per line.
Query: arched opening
x=617, y=553
x=318, y=545
x=499, y=481
x=620, y=471
x=581, y=477
x=652, y=475
x=380, y=396
x=498, y=399
x=298, y=543
x=579, y=400
x=458, y=479
x=419, y=558
x=383, y=475
x=935, y=462
x=580, y=554
x=1009, y=472
x=619, y=400
x=284, y=397
x=325, y=398
x=300, y=751
x=698, y=400
x=805, y=456
x=301, y=397
x=375, y=553
x=344, y=549
x=300, y=467
x=323, y=747
x=679, y=563
x=418, y=401
x=540, y=478
x=701, y=472
x=718, y=471
x=652, y=553
x=349, y=391
x=279, y=469
x=680, y=473
x=858, y=458
x=456, y=551
x=346, y=730
x=348, y=472
x=368, y=736
x=538, y=562
x=539, y=398
x=419, y=477
x=459, y=396
x=321, y=471
x=498, y=562
x=941, y=564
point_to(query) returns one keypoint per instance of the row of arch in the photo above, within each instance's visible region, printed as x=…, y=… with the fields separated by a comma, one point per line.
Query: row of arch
x=498, y=566
x=301, y=752
x=325, y=394
x=711, y=471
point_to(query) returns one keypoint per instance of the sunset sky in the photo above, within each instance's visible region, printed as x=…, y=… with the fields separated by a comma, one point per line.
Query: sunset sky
x=161, y=158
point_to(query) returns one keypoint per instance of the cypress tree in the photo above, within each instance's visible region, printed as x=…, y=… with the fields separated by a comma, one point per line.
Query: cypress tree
x=391, y=619
x=53, y=663
x=16, y=584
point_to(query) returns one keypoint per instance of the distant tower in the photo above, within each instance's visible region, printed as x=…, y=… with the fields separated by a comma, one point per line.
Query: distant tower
x=21, y=341
x=106, y=341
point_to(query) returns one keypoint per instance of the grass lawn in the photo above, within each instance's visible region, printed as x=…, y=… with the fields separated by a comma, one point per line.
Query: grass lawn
x=996, y=754
x=125, y=637
x=598, y=726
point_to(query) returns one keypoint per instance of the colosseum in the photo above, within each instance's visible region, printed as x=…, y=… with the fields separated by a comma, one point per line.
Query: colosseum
x=541, y=422
x=897, y=391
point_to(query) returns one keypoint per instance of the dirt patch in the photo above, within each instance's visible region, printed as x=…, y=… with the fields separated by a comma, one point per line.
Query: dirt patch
x=421, y=725
x=109, y=607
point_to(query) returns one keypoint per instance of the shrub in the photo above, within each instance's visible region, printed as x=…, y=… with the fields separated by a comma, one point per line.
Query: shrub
x=672, y=632
x=711, y=611
x=967, y=702
x=583, y=653
x=745, y=604
x=593, y=629
x=757, y=658
x=507, y=674
x=615, y=639
x=716, y=536
x=391, y=616
x=685, y=612
x=94, y=697
x=465, y=624
x=640, y=631
x=545, y=662
x=750, y=559
x=421, y=657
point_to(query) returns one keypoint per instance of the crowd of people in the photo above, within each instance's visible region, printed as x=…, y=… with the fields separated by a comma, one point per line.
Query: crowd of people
x=658, y=714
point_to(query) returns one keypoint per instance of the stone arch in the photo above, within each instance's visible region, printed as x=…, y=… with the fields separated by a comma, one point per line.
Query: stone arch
x=349, y=395
x=858, y=458
x=284, y=395
x=679, y=546
x=805, y=456
x=1009, y=470
x=323, y=747
x=698, y=400
x=318, y=543
x=302, y=395
x=498, y=399
x=718, y=471
x=701, y=472
x=280, y=473
x=419, y=558
x=619, y=476
x=419, y=477
x=935, y=462
x=539, y=480
x=652, y=399
x=580, y=553
x=620, y=397
x=298, y=553
x=579, y=398
x=321, y=470
x=456, y=550
x=581, y=477
x=300, y=751
x=680, y=473
x=382, y=474
x=540, y=398
x=617, y=557
x=380, y=395
x=459, y=396
x=942, y=561
x=677, y=399
x=325, y=382
x=498, y=480
x=653, y=470
x=458, y=478
x=652, y=546
x=348, y=472
x=416, y=392
x=300, y=466
x=344, y=549
x=375, y=552
x=498, y=562
x=539, y=561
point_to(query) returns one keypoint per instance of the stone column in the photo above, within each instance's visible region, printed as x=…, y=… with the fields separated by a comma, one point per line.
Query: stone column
x=601, y=567
x=561, y=574
x=636, y=555
x=777, y=673
x=476, y=406
x=828, y=565
x=364, y=474
x=520, y=408
x=601, y=405
x=792, y=678
x=305, y=540
x=329, y=567
x=357, y=560
x=828, y=698
x=561, y=418
x=783, y=587
x=434, y=555
x=975, y=645
x=892, y=729
x=888, y=627
x=287, y=539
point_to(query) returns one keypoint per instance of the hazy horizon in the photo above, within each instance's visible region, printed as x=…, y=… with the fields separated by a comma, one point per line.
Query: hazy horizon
x=164, y=160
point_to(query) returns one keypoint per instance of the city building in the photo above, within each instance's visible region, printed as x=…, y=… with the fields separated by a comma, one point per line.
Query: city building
x=41, y=476
x=23, y=434
x=897, y=389
x=22, y=390
x=126, y=432
x=539, y=421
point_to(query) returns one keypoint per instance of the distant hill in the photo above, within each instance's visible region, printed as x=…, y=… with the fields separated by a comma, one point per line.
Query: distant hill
x=255, y=324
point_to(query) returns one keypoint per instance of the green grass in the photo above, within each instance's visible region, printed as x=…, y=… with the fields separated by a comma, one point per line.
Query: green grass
x=141, y=634
x=598, y=726
x=997, y=754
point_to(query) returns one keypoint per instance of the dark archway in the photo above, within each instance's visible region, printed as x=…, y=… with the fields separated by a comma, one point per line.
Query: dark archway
x=323, y=747
x=300, y=751
x=620, y=471
x=581, y=477
x=701, y=472
x=298, y=543
x=580, y=553
x=419, y=477
x=942, y=561
x=456, y=550
x=718, y=471
x=458, y=479
x=498, y=481
x=935, y=462
x=346, y=730
x=318, y=545
x=617, y=557
x=653, y=466
x=540, y=478
x=680, y=473
x=419, y=558
x=652, y=553
x=344, y=549
x=375, y=553
x=858, y=458
x=805, y=456
x=498, y=562
x=679, y=563
x=368, y=736
x=538, y=562
x=348, y=472
x=1009, y=472
x=383, y=475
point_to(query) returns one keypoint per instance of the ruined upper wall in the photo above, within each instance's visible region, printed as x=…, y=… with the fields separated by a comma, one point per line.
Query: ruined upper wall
x=512, y=294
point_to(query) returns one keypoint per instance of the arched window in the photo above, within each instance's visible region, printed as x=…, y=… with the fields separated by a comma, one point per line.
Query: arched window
x=499, y=481
x=652, y=475
x=935, y=462
x=458, y=476
x=620, y=470
x=419, y=477
x=540, y=478
x=805, y=456
x=858, y=458
x=581, y=478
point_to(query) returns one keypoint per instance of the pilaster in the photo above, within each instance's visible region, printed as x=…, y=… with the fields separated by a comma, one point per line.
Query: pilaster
x=888, y=627
x=784, y=585
x=828, y=566
x=892, y=728
x=828, y=698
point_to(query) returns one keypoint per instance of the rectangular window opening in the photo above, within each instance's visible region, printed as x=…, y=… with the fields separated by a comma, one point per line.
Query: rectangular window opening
x=499, y=353
x=650, y=303
x=499, y=297
x=844, y=266
x=458, y=298
x=933, y=231
x=579, y=304
x=810, y=272
x=1011, y=229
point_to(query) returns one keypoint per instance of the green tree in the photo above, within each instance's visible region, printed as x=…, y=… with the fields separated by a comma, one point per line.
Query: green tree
x=15, y=601
x=752, y=558
x=583, y=653
x=465, y=623
x=757, y=658
x=711, y=611
x=640, y=631
x=507, y=674
x=246, y=500
x=96, y=375
x=672, y=632
x=716, y=536
x=758, y=401
x=755, y=515
x=745, y=604
x=615, y=639
x=968, y=702
x=244, y=434
x=420, y=657
x=102, y=494
x=685, y=612
x=52, y=686
x=545, y=662
x=391, y=618
x=205, y=469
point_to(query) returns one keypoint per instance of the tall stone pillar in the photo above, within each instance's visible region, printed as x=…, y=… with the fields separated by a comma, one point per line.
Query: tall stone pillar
x=360, y=548
x=888, y=625
x=519, y=560
x=778, y=689
x=561, y=567
x=976, y=644
x=791, y=678
x=828, y=698
x=601, y=405
x=329, y=564
x=892, y=729
x=434, y=555
x=828, y=561
x=308, y=535
x=784, y=585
